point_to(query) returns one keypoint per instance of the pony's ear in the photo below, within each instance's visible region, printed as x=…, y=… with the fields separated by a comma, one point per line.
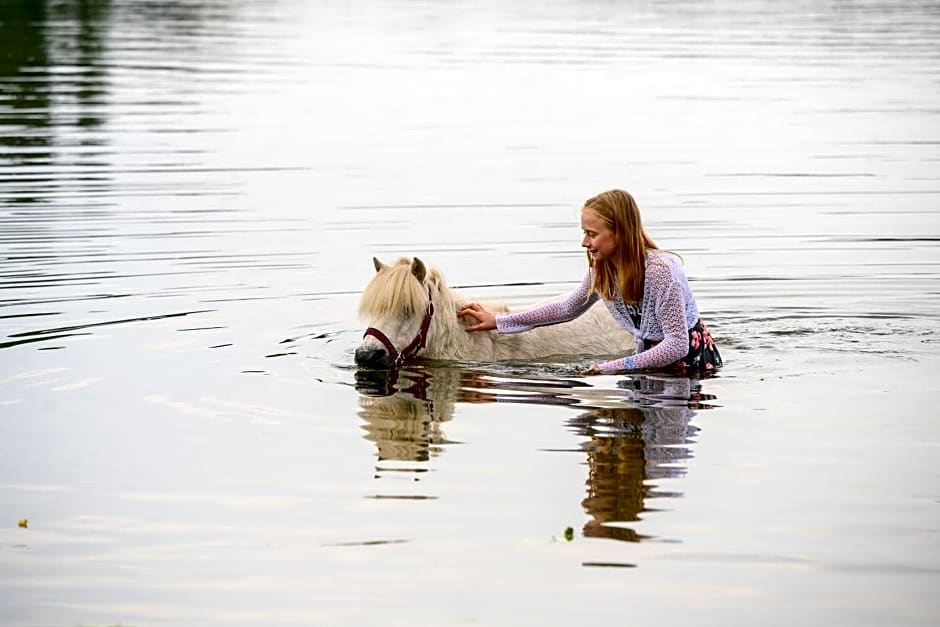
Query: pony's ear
x=378, y=264
x=418, y=269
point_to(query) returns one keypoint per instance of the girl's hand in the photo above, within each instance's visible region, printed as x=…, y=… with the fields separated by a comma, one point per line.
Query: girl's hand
x=486, y=320
x=592, y=370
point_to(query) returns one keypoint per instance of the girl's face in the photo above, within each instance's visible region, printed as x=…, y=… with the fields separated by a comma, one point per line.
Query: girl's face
x=599, y=241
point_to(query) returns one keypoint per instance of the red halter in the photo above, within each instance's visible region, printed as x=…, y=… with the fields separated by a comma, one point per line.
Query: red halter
x=416, y=345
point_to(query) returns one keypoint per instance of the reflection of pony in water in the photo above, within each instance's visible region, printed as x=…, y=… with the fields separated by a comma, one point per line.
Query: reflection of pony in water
x=411, y=310
x=403, y=415
x=403, y=409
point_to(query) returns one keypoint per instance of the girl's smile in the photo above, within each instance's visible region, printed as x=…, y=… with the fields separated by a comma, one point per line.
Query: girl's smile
x=599, y=241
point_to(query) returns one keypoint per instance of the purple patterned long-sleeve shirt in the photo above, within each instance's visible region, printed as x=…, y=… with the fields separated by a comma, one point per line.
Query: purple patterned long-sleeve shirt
x=668, y=312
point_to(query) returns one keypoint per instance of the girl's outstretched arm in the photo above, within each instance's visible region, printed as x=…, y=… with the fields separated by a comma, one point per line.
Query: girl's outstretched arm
x=564, y=310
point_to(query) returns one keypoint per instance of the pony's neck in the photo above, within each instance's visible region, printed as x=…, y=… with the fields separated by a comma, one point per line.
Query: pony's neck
x=449, y=337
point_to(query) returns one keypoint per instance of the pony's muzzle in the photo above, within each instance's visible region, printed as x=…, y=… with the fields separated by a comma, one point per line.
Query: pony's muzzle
x=373, y=357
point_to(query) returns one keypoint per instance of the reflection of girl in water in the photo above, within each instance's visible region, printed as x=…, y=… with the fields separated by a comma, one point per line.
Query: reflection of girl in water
x=630, y=445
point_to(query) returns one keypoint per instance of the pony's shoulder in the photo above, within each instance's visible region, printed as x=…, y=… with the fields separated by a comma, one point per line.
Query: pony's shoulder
x=497, y=307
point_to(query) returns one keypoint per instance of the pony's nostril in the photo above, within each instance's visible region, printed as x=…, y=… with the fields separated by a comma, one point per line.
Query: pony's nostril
x=372, y=357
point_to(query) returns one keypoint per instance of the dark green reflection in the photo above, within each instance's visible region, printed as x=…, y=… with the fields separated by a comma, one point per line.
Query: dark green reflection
x=24, y=86
x=52, y=89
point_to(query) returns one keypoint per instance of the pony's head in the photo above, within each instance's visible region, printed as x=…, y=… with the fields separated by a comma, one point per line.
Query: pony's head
x=398, y=308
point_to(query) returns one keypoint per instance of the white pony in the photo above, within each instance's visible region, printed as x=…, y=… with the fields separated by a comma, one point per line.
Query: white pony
x=411, y=312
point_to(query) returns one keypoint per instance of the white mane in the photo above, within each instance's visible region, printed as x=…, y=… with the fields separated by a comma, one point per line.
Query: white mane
x=394, y=290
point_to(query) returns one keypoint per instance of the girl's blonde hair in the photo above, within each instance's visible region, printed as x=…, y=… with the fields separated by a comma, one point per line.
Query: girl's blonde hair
x=627, y=266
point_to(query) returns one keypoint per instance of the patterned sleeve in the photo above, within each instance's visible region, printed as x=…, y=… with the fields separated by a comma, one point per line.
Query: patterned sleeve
x=669, y=301
x=564, y=310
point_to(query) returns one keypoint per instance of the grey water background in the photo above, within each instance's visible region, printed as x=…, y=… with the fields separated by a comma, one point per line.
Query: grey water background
x=190, y=197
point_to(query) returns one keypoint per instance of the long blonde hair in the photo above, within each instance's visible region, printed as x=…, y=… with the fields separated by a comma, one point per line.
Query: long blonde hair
x=627, y=266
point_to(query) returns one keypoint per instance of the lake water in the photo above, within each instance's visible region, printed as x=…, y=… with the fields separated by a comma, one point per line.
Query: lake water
x=190, y=197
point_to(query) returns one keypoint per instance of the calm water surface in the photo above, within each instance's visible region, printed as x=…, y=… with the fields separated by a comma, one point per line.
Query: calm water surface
x=190, y=197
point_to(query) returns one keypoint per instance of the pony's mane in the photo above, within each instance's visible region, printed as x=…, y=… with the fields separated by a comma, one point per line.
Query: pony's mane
x=393, y=291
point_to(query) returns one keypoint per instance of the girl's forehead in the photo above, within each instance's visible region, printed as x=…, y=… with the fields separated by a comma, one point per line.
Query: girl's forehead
x=590, y=218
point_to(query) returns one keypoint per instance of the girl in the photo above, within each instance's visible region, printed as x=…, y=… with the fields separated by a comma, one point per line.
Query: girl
x=644, y=288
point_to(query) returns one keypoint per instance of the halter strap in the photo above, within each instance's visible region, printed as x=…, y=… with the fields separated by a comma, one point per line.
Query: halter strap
x=416, y=344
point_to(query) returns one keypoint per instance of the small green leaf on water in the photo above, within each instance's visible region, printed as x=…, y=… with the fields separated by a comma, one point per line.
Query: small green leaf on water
x=569, y=534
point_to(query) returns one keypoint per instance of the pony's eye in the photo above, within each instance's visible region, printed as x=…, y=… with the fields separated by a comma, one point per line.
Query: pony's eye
x=406, y=313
